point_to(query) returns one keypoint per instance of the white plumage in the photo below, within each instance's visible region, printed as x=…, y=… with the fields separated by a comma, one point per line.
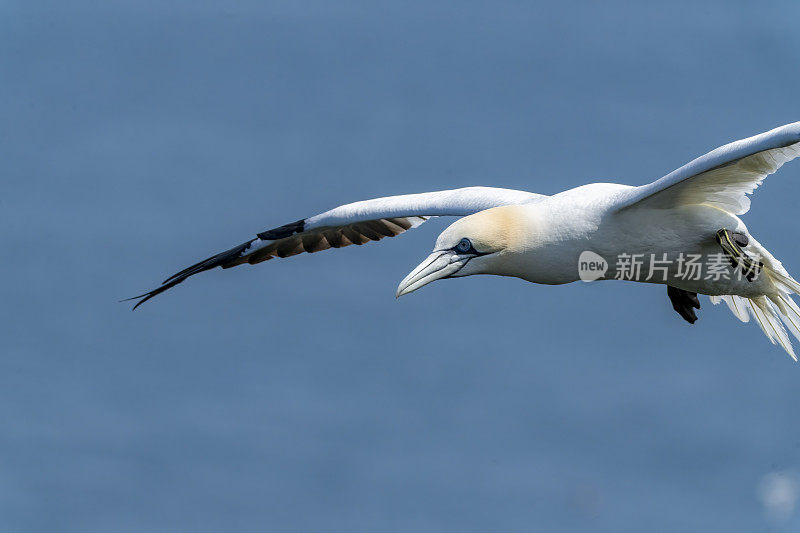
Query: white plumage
x=692, y=211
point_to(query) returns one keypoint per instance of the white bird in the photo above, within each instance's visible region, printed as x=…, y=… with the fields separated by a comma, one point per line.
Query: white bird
x=688, y=217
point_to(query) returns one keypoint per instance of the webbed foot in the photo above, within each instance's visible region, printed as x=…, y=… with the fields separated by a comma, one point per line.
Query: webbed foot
x=732, y=243
x=684, y=302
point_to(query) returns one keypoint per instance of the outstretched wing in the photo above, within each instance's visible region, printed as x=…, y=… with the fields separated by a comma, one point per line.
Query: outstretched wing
x=723, y=177
x=356, y=223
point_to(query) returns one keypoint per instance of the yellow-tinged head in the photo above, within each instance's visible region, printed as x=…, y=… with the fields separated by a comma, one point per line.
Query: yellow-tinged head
x=476, y=244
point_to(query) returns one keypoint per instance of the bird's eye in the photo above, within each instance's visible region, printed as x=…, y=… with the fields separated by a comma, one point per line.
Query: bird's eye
x=464, y=245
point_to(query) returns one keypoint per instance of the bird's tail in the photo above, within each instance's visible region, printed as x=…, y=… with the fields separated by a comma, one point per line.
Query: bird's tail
x=775, y=313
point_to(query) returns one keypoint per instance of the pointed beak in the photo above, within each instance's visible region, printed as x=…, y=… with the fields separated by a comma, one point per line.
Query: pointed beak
x=438, y=265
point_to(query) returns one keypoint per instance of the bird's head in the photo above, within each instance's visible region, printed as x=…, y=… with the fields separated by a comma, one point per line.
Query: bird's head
x=483, y=243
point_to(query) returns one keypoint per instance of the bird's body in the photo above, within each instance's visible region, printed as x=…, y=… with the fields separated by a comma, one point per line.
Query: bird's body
x=587, y=218
x=551, y=234
x=665, y=232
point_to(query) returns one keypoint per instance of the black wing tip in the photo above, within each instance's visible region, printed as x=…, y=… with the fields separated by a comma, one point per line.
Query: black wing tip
x=147, y=295
x=143, y=300
x=210, y=262
x=221, y=260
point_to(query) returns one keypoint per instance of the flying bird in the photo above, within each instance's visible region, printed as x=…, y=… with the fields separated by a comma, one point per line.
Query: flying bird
x=682, y=231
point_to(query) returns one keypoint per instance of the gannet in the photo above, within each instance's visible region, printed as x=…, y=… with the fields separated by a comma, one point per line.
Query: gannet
x=688, y=215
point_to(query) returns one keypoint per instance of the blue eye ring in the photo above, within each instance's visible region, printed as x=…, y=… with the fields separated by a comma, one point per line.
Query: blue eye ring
x=464, y=245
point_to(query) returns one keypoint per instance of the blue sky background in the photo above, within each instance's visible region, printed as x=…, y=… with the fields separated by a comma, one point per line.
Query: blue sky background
x=139, y=137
